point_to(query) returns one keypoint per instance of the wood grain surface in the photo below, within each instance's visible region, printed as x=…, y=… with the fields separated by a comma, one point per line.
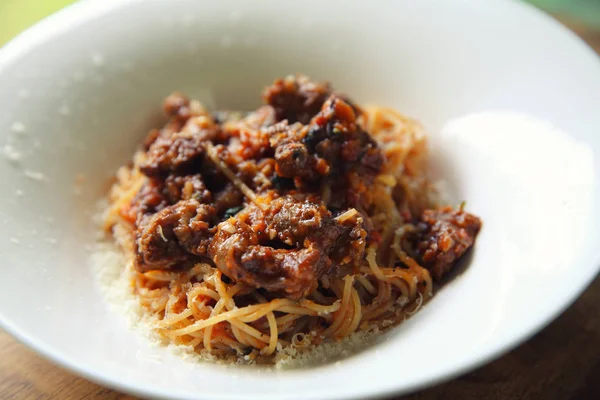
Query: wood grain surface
x=560, y=362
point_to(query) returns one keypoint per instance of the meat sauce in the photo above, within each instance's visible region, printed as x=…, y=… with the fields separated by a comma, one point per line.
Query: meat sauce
x=304, y=139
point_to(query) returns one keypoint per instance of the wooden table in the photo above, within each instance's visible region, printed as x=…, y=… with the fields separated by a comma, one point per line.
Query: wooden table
x=560, y=362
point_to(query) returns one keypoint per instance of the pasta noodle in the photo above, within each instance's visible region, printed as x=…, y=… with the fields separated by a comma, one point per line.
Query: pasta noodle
x=199, y=307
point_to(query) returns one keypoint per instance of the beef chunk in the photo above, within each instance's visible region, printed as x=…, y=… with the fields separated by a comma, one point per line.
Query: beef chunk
x=177, y=152
x=294, y=160
x=295, y=274
x=296, y=98
x=349, y=248
x=172, y=154
x=228, y=198
x=186, y=187
x=442, y=237
x=287, y=247
x=172, y=234
x=263, y=116
x=150, y=138
x=177, y=106
x=336, y=137
x=332, y=144
x=148, y=200
x=331, y=150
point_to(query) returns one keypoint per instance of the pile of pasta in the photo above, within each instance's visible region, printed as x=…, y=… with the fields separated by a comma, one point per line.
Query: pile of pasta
x=203, y=309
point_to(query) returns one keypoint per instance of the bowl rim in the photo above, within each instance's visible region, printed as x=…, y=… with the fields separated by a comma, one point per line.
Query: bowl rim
x=78, y=13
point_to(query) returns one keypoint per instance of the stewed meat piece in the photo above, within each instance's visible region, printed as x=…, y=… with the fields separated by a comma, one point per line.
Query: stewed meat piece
x=177, y=152
x=442, y=237
x=294, y=160
x=177, y=106
x=336, y=137
x=148, y=200
x=228, y=198
x=296, y=98
x=331, y=145
x=332, y=151
x=173, y=234
x=287, y=247
x=156, y=194
x=172, y=154
x=186, y=187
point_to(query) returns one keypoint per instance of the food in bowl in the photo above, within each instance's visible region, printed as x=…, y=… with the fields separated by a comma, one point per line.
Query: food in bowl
x=249, y=237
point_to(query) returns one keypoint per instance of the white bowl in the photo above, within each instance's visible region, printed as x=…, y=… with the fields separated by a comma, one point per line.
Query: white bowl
x=511, y=100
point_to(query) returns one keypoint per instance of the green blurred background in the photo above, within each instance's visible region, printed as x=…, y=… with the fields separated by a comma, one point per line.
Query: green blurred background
x=16, y=15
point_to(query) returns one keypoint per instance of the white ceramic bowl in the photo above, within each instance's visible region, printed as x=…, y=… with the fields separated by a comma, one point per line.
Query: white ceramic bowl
x=511, y=100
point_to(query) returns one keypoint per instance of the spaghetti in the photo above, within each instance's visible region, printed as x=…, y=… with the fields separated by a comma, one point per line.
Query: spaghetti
x=207, y=296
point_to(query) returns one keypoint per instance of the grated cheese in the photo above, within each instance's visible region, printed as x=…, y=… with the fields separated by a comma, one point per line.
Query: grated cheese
x=162, y=235
x=346, y=215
